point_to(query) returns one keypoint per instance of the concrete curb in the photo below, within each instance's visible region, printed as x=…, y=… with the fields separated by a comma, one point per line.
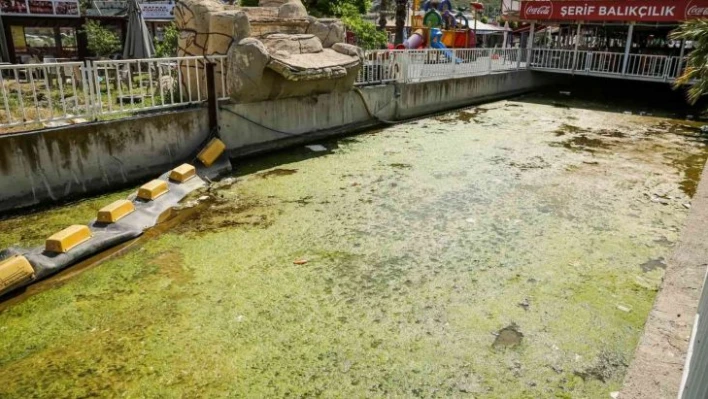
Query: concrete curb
x=657, y=368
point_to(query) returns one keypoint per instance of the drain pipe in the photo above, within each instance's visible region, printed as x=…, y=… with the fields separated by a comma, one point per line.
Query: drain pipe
x=212, y=100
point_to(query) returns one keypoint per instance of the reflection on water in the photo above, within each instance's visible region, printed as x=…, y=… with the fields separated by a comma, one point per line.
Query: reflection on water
x=491, y=252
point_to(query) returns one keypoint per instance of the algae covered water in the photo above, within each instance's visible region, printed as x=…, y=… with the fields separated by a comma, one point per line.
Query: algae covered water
x=509, y=250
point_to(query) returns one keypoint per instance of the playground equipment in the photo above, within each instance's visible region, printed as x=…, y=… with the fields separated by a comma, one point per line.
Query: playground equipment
x=415, y=41
x=440, y=26
x=436, y=36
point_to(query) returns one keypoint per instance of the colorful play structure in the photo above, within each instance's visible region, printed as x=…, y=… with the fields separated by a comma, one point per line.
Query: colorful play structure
x=439, y=28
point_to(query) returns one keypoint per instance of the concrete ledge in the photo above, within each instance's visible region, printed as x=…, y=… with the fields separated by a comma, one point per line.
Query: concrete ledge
x=657, y=367
x=429, y=97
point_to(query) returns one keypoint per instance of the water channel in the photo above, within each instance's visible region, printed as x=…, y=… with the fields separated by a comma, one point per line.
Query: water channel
x=509, y=250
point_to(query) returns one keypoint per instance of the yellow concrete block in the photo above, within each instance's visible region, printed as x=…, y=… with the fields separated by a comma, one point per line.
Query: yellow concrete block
x=15, y=270
x=211, y=152
x=153, y=190
x=183, y=173
x=68, y=238
x=115, y=211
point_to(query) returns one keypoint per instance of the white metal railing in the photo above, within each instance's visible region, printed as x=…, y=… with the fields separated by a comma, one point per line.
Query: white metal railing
x=653, y=66
x=381, y=66
x=604, y=62
x=54, y=92
x=601, y=63
x=564, y=60
x=153, y=83
x=34, y=93
x=51, y=92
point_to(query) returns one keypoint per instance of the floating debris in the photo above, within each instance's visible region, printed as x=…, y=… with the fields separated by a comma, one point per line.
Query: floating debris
x=525, y=304
x=508, y=337
x=300, y=261
x=623, y=308
x=316, y=147
x=653, y=264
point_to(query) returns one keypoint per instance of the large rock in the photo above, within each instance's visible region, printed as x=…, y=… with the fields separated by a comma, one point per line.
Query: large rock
x=329, y=31
x=274, y=50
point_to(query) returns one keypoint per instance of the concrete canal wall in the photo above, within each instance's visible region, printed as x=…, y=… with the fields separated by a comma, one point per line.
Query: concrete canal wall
x=257, y=127
x=51, y=165
x=55, y=165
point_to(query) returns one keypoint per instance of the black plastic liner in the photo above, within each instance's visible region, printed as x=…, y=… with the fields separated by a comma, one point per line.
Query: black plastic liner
x=104, y=236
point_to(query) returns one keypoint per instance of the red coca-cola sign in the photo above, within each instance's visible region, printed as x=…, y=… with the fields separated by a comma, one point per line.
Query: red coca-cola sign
x=614, y=10
x=541, y=11
x=696, y=11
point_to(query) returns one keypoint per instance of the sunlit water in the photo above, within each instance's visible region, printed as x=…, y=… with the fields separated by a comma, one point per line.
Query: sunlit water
x=505, y=251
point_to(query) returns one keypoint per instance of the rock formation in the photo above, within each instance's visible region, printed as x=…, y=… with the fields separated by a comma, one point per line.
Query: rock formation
x=274, y=51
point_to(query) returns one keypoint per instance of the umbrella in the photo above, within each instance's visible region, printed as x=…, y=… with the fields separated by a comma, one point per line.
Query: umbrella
x=138, y=41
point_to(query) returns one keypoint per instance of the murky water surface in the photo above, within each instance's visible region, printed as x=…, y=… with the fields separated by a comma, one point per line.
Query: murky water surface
x=511, y=250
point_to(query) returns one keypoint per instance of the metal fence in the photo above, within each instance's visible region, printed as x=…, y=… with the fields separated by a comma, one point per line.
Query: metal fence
x=43, y=94
x=405, y=66
x=647, y=67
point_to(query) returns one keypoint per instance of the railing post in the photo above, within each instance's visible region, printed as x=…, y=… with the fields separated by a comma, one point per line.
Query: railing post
x=453, y=57
x=588, y=61
x=575, y=51
x=529, y=43
x=89, y=86
x=489, y=67
x=627, y=48
x=667, y=67
x=212, y=99
x=518, y=58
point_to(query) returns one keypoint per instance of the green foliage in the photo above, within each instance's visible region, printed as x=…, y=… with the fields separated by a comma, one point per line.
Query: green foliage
x=367, y=35
x=101, y=40
x=248, y=3
x=168, y=46
x=697, y=63
x=320, y=8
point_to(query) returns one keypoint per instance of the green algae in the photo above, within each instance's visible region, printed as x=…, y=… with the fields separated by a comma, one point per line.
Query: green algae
x=419, y=252
x=32, y=229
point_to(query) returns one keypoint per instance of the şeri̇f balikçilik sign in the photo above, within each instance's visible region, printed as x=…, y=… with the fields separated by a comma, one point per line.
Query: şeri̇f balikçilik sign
x=636, y=10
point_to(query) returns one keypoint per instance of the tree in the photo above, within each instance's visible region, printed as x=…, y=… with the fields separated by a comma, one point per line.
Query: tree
x=401, y=11
x=102, y=41
x=168, y=46
x=367, y=35
x=697, y=60
x=383, y=6
x=328, y=8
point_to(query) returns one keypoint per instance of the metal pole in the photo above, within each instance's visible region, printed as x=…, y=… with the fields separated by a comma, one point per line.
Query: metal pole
x=476, y=41
x=627, y=48
x=679, y=69
x=4, y=53
x=212, y=99
x=529, y=44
